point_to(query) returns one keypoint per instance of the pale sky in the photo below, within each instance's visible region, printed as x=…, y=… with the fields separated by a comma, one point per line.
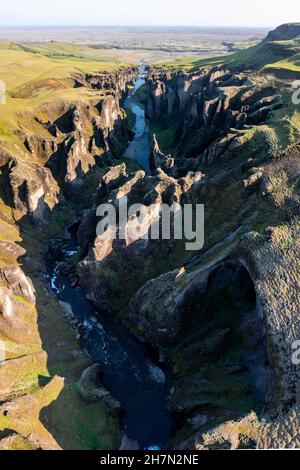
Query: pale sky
x=267, y=13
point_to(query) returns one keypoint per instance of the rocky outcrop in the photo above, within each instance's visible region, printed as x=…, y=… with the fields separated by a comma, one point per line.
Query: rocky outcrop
x=17, y=306
x=56, y=157
x=284, y=32
x=113, y=179
x=116, y=253
x=115, y=134
x=248, y=433
x=158, y=159
x=40, y=147
x=14, y=278
x=29, y=188
x=117, y=81
x=160, y=325
x=211, y=107
x=91, y=390
x=34, y=191
x=84, y=134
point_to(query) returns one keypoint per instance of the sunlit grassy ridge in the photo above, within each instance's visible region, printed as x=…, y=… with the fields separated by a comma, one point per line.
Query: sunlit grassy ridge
x=278, y=52
x=37, y=76
x=275, y=63
x=20, y=64
x=189, y=63
x=269, y=55
x=39, y=80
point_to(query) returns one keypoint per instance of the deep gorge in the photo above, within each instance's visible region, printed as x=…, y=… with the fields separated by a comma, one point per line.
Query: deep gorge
x=177, y=350
x=143, y=387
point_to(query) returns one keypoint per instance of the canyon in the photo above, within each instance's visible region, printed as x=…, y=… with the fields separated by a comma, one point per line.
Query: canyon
x=140, y=344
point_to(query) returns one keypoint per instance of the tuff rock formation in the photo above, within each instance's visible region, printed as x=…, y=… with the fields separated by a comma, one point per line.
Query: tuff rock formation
x=110, y=259
x=226, y=317
x=37, y=176
x=214, y=106
x=94, y=130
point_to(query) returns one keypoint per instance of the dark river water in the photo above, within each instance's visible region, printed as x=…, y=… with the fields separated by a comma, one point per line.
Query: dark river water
x=140, y=147
x=128, y=371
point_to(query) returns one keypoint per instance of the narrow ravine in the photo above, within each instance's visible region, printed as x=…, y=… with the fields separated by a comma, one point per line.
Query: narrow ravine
x=139, y=148
x=128, y=371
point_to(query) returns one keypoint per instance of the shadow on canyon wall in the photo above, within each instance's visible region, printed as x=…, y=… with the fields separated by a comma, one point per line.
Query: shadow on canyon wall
x=221, y=349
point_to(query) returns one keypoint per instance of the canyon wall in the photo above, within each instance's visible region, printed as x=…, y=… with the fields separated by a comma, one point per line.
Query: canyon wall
x=61, y=160
x=222, y=315
x=207, y=112
x=225, y=316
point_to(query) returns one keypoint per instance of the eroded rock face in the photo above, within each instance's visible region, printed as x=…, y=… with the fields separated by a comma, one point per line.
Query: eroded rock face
x=112, y=81
x=16, y=280
x=73, y=161
x=91, y=390
x=17, y=306
x=34, y=174
x=155, y=309
x=84, y=134
x=34, y=191
x=114, y=178
x=284, y=32
x=40, y=147
x=158, y=159
x=225, y=321
x=12, y=249
x=111, y=260
x=110, y=123
x=213, y=106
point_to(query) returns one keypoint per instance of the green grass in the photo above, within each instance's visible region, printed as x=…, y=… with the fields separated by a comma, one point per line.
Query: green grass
x=77, y=425
x=40, y=76
x=190, y=63
x=165, y=135
x=276, y=56
x=21, y=64
x=289, y=67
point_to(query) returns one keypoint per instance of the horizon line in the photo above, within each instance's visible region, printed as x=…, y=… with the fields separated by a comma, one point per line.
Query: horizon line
x=131, y=26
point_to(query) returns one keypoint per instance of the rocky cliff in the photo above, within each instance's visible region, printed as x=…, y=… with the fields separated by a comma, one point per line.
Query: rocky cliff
x=215, y=107
x=109, y=262
x=225, y=316
x=56, y=162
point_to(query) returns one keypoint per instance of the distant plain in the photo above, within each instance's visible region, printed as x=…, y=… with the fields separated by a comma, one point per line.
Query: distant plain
x=200, y=40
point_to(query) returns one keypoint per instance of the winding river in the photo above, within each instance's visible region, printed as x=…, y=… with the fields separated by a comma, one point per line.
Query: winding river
x=128, y=371
x=140, y=147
